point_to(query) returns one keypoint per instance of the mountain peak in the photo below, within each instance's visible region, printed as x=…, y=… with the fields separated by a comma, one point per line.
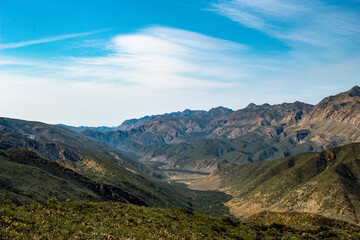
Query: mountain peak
x=354, y=92
x=220, y=111
x=343, y=108
x=253, y=106
x=344, y=96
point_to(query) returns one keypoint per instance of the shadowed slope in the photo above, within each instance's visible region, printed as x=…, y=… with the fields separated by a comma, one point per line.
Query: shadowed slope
x=118, y=175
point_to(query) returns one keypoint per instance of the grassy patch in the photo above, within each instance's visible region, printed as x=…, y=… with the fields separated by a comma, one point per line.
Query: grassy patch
x=109, y=220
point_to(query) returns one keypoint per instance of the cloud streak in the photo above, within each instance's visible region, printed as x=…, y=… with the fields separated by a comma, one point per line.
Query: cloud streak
x=313, y=23
x=167, y=57
x=161, y=69
x=45, y=40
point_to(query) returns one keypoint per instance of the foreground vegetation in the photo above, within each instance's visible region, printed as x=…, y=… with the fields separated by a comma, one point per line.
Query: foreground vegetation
x=109, y=220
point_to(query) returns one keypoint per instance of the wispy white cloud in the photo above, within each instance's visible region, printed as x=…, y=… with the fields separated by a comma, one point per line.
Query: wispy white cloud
x=313, y=22
x=167, y=57
x=45, y=40
x=162, y=69
x=154, y=70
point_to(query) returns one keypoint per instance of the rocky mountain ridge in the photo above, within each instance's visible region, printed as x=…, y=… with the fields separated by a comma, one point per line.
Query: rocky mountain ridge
x=255, y=133
x=171, y=128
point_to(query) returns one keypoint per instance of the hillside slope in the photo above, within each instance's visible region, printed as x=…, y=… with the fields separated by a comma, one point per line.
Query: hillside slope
x=326, y=183
x=27, y=178
x=59, y=150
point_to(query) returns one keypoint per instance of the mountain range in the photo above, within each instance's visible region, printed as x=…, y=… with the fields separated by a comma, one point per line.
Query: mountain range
x=289, y=157
x=205, y=140
x=83, y=128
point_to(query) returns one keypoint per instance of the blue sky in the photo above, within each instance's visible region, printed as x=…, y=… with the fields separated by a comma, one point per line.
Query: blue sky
x=101, y=62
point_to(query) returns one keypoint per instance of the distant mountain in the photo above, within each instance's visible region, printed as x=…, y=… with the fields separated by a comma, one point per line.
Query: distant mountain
x=341, y=108
x=265, y=120
x=325, y=183
x=39, y=161
x=135, y=123
x=132, y=123
x=171, y=128
x=83, y=128
x=203, y=141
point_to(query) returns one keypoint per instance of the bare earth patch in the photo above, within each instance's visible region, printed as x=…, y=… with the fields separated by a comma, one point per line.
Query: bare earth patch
x=93, y=166
x=206, y=183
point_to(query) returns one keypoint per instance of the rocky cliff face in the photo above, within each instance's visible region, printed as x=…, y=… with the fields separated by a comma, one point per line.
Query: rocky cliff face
x=341, y=108
x=255, y=118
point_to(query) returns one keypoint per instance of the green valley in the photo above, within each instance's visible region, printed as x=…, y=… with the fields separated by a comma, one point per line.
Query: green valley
x=326, y=183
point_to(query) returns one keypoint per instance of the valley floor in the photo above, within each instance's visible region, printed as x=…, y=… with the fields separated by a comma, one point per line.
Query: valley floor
x=183, y=176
